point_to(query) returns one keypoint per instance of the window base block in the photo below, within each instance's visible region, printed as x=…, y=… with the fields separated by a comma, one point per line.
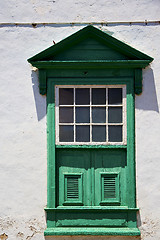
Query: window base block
x=92, y=231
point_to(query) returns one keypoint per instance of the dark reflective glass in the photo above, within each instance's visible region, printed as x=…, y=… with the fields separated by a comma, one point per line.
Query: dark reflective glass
x=82, y=115
x=98, y=133
x=82, y=96
x=115, y=133
x=66, y=96
x=115, y=114
x=98, y=96
x=114, y=95
x=98, y=114
x=66, y=134
x=82, y=133
x=66, y=114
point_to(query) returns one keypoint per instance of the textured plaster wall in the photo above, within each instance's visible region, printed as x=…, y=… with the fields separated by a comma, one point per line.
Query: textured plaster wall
x=23, y=157
x=79, y=10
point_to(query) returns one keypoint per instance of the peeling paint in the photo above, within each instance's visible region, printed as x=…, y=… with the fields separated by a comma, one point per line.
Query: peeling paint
x=22, y=229
x=3, y=236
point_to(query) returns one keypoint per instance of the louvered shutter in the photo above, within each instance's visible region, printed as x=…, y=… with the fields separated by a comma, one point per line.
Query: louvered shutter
x=72, y=188
x=109, y=185
x=109, y=188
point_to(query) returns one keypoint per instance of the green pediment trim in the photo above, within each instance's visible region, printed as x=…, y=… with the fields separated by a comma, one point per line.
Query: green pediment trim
x=91, y=49
x=90, y=32
x=92, y=64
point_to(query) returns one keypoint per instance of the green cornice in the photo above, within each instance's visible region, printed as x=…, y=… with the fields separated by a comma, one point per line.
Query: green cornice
x=91, y=64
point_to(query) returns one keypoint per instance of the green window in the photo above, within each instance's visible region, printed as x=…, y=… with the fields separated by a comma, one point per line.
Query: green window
x=90, y=80
x=91, y=114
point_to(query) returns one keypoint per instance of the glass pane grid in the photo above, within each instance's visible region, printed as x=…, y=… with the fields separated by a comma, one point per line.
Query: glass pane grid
x=94, y=125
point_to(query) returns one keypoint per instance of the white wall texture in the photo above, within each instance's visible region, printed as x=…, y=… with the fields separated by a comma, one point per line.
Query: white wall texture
x=23, y=157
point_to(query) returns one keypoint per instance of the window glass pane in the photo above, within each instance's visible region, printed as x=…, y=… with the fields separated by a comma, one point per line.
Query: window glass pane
x=82, y=115
x=98, y=114
x=98, y=96
x=66, y=114
x=98, y=133
x=114, y=95
x=115, y=114
x=82, y=133
x=66, y=134
x=115, y=133
x=82, y=96
x=66, y=96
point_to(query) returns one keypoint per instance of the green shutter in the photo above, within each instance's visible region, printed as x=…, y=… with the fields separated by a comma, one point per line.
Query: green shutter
x=109, y=188
x=72, y=190
x=72, y=187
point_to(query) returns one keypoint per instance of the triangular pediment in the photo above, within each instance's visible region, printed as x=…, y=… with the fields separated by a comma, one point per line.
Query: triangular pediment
x=89, y=44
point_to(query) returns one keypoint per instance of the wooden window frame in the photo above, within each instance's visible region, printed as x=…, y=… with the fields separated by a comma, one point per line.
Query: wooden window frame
x=123, y=124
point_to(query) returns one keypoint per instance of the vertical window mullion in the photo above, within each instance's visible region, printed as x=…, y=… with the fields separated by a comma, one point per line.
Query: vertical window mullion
x=90, y=114
x=107, y=115
x=74, y=114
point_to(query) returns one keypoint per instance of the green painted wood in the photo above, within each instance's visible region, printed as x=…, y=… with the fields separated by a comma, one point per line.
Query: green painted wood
x=110, y=188
x=71, y=166
x=86, y=73
x=71, y=189
x=92, y=231
x=84, y=34
x=138, y=81
x=85, y=49
x=92, y=146
x=102, y=64
x=42, y=81
x=107, y=208
x=90, y=81
x=110, y=161
x=92, y=217
x=51, y=177
x=92, y=163
x=78, y=163
x=93, y=49
x=131, y=180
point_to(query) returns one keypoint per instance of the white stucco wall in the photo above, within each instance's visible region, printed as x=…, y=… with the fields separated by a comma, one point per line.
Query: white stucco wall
x=23, y=157
x=79, y=10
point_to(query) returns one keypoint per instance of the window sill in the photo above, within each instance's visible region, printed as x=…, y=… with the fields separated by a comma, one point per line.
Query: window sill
x=92, y=231
x=91, y=146
x=92, y=208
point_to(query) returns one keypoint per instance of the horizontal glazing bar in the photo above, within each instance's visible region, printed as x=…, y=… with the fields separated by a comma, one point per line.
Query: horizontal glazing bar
x=88, y=124
x=92, y=105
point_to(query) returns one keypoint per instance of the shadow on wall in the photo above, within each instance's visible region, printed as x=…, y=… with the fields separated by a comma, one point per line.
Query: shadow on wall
x=40, y=100
x=93, y=238
x=148, y=99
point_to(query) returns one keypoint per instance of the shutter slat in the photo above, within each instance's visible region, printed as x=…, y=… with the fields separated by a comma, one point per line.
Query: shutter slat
x=109, y=185
x=72, y=187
